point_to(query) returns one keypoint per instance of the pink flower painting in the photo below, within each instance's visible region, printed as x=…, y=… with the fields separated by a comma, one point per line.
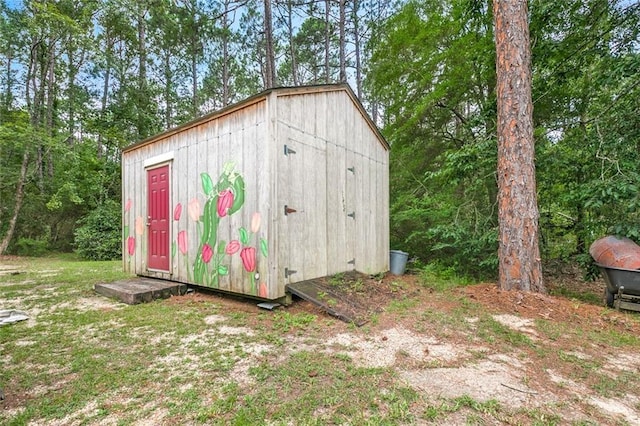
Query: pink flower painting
x=255, y=222
x=139, y=225
x=194, y=209
x=263, y=292
x=248, y=256
x=131, y=245
x=177, y=212
x=232, y=247
x=127, y=205
x=207, y=253
x=225, y=201
x=182, y=242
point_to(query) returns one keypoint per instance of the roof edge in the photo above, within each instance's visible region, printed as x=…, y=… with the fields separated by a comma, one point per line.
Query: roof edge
x=283, y=90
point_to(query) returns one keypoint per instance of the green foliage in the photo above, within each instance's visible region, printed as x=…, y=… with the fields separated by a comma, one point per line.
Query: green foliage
x=443, y=155
x=99, y=236
x=31, y=247
x=440, y=121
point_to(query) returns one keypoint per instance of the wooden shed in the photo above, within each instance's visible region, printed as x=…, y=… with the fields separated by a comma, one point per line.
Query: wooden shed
x=288, y=185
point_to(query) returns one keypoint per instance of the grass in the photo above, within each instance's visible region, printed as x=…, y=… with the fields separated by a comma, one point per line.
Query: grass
x=163, y=362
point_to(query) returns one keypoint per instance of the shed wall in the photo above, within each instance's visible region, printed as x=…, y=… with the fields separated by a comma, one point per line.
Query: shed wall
x=207, y=162
x=337, y=181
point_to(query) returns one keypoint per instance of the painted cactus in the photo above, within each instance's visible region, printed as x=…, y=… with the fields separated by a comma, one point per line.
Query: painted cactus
x=224, y=198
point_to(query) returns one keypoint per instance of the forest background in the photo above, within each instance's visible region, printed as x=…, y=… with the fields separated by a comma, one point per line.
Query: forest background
x=82, y=79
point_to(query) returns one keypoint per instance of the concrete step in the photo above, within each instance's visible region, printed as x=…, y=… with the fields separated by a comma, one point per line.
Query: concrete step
x=140, y=290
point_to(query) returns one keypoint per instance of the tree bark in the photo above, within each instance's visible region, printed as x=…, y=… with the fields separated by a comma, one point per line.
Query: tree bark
x=226, y=27
x=343, y=59
x=19, y=199
x=292, y=46
x=518, y=251
x=356, y=41
x=270, y=66
x=327, y=38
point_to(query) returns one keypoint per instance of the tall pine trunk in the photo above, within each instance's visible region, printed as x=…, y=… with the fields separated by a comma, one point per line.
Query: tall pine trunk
x=270, y=66
x=343, y=59
x=518, y=251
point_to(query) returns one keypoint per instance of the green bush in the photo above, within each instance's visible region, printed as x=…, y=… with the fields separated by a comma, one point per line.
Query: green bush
x=31, y=247
x=99, y=236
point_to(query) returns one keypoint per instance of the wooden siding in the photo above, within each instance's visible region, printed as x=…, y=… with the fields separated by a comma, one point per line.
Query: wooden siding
x=340, y=167
x=237, y=139
x=342, y=221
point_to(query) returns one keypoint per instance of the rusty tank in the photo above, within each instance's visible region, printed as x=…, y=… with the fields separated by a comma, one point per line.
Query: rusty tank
x=617, y=252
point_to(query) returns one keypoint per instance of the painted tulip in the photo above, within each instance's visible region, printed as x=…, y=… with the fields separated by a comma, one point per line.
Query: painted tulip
x=139, y=225
x=255, y=222
x=225, y=201
x=207, y=253
x=182, y=242
x=248, y=256
x=177, y=212
x=131, y=245
x=194, y=209
x=127, y=205
x=263, y=290
x=232, y=247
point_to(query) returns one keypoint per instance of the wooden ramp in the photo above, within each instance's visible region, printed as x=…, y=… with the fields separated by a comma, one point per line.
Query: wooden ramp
x=331, y=299
x=140, y=290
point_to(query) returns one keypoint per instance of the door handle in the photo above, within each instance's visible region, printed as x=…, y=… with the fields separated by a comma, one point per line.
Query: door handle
x=148, y=220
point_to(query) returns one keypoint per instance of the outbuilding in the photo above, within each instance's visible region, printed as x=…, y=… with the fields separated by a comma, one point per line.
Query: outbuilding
x=288, y=185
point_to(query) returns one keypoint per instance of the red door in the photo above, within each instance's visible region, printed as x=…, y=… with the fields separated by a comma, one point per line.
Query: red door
x=158, y=217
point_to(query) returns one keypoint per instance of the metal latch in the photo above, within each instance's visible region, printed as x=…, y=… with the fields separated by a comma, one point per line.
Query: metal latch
x=288, y=272
x=288, y=210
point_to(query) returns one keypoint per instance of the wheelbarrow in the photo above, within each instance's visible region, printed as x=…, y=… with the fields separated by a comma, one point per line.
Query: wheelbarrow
x=622, y=290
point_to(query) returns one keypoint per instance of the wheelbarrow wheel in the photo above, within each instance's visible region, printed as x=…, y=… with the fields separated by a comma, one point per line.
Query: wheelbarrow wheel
x=608, y=297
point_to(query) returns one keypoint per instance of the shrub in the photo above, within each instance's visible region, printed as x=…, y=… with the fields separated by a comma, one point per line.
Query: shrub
x=31, y=247
x=99, y=236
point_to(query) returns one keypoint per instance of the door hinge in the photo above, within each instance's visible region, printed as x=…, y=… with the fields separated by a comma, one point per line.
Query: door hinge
x=288, y=150
x=352, y=170
x=352, y=261
x=288, y=272
x=288, y=210
x=352, y=215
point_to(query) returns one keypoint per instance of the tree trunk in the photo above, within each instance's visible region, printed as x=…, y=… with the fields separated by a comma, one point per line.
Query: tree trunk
x=518, y=252
x=327, y=37
x=343, y=60
x=292, y=47
x=356, y=40
x=142, y=74
x=225, y=56
x=19, y=199
x=168, y=80
x=270, y=66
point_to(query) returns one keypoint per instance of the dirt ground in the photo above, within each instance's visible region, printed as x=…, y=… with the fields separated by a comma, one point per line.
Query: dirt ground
x=451, y=364
x=445, y=345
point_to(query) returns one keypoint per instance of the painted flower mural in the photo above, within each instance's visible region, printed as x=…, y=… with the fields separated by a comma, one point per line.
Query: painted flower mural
x=131, y=245
x=248, y=256
x=194, y=209
x=177, y=212
x=207, y=253
x=225, y=202
x=223, y=199
x=182, y=242
x=233, y=247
